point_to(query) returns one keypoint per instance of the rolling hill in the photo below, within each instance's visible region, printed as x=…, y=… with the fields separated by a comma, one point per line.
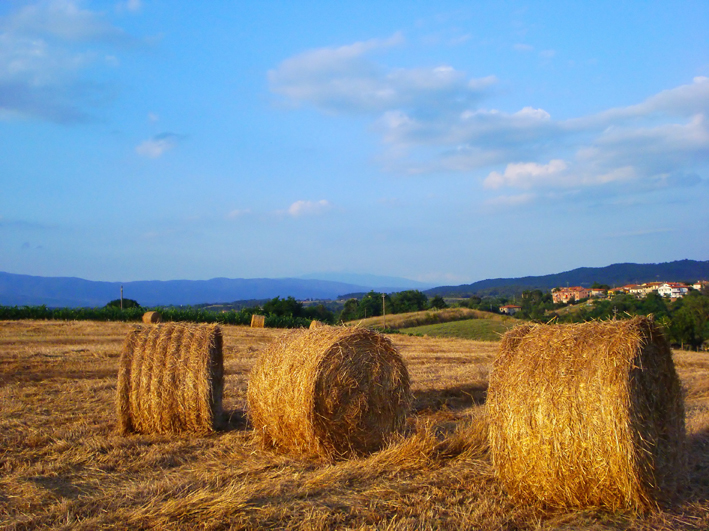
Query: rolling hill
x=613, y=275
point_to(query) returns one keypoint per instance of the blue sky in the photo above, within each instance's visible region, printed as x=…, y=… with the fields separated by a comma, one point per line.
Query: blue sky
x=445, y=142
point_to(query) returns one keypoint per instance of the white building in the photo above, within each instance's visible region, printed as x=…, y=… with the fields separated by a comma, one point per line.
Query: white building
x=700, y=284
x=673, y=290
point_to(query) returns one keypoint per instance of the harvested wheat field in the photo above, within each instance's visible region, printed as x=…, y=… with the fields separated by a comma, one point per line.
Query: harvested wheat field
x=64, y=465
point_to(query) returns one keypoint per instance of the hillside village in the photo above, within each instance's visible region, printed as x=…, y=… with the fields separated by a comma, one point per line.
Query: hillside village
x=671, y=290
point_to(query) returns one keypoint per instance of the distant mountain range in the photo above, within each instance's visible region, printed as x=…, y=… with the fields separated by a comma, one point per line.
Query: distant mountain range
x=613, y=275
x=377, y=282
x=21, y=290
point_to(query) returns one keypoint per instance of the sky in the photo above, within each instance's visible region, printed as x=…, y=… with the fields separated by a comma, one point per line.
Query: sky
x=445, y=142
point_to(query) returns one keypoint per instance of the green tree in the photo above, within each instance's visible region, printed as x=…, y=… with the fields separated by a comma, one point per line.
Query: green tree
x=127, y=303
x=408, y=301
x=690, y=323
x=653, y=304
x=350, y=310
x=284, y=307
x=438, y=302
x=596, y=285
x=371, y=305
x=320, y=313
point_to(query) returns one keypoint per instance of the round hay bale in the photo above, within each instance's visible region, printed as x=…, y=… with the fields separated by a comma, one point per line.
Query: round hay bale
x=316, y=324
x=152, y=317
x=171, y=379
x=587, y=415
x=328, y=392
x=258, y=321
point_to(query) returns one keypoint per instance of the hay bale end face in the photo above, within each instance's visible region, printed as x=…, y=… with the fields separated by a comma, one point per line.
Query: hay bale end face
x=152, y=317
x=587, y=415
x=328, y=392
x=258, y=321
x=171, y=379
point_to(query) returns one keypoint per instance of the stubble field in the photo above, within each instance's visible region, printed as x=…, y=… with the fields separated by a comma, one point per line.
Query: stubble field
x=63, y=465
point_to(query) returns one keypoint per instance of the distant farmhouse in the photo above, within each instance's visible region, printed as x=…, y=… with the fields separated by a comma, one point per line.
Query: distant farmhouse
x=671, y=290
x=575, y=293
x=510, y=309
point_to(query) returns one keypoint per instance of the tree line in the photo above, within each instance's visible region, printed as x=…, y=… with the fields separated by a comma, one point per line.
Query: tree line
x=685, y=320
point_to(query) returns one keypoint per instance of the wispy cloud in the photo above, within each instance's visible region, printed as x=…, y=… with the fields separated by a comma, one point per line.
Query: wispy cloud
x=635, y=233
x=158, y=145
x=44, y=49
x=344, y=79
x=432, y=121
x=527, y=175
x=238, y=213
x=130, y=5
x=65, y=20
x=309, y=208
x=510, y=200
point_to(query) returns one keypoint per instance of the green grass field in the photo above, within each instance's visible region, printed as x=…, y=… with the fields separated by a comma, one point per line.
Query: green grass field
x=478, y=329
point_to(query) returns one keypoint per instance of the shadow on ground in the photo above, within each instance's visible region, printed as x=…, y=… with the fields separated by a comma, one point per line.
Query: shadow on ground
x=234, y=420
x=457, y=397
x=698, y=461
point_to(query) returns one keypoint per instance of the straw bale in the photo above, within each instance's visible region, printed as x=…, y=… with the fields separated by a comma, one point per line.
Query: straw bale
x=328, y=392
x=152, y=317
x=588, y=415
x=258, y=321
x=316, y=324
x=171, y=379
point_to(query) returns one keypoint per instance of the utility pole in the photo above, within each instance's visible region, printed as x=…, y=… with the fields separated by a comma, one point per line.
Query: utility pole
x=384, y=311
x=121, y=297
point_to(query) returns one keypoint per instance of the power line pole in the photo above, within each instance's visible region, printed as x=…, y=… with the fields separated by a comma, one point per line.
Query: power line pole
x=121, y=297
x=384, y=311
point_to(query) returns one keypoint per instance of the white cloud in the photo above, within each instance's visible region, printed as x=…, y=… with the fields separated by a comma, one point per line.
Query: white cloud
x=431, y=121
x=159, y=144
x=344, y=80
x=309, y=208
x=61, y=19
x=683, y=101
x=238, y=213
x=527, y=175
x=44, y=50
x=131, y=5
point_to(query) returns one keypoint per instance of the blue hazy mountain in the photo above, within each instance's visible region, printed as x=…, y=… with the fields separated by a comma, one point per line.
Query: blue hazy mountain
x=375, y=282
x=612, y=275
x=21, y=290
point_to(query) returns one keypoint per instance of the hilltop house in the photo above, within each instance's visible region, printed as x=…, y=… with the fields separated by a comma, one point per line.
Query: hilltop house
x=510, y=309
x=566, y=294
x=673, y=290
x=643, y=290
x=598, y=292
x=700, y=284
